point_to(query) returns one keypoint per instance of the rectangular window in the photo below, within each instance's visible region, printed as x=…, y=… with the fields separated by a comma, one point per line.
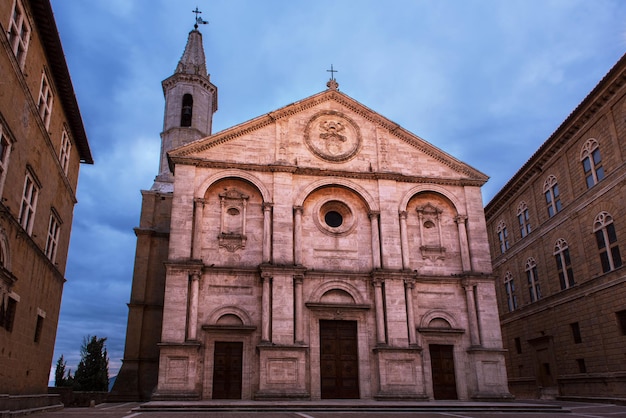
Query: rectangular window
x=45, y=100
x=503, y=237
x=38, y=328
x=29, y=203
x=594, y=171
x=533, y=284
x=610, y=257
x=64, y=153
x=524, y=222
x=597, y=162
x=564, y=268
x=553, y=201
x=54, y=226
x=511, y=298
x=5, y=150
x=582, y=368
x=9, y=314
x=518, y=345
x=19, y=33
x=575, y=327
x=621, y=321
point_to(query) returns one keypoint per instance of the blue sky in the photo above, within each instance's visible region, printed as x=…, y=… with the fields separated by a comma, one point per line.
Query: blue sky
x=487, y=81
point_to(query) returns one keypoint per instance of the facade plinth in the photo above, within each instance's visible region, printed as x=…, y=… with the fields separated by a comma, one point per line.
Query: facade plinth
x=401, y=372
x=283, y=373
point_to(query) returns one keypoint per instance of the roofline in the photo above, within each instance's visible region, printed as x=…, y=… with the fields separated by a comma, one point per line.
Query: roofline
x=46, y=25
x=590, y=105
x=342, y=98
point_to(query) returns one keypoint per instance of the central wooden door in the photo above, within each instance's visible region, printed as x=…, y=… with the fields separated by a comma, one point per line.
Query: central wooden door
x=227, y=367
x=339, y=362
x=442, y=367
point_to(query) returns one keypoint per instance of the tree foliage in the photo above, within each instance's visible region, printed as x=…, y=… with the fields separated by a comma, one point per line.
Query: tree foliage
x=92, y=373
x=61, y=378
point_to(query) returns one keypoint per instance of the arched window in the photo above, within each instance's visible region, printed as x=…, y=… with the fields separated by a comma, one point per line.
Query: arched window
x=187, y=110
x=551, y=192
x=606, y=238
x=524, y=219
x=509, y=289
x=592, y=162
x=503, y=236
x=533, y=280
x=563, y=264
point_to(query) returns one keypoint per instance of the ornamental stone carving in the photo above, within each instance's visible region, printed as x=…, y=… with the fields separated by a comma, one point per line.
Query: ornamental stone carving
x=332, y=136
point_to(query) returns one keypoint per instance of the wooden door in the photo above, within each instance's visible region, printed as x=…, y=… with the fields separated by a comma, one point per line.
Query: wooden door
x=339, y=362
x=546, y=378
x=227, y=367
x=442, y=367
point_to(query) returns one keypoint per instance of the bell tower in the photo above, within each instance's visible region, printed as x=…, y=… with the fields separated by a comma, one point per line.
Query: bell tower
x=190, y=101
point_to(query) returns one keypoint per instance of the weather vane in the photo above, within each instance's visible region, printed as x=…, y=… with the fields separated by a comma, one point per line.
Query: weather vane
x=332, y=72
x=199, y=20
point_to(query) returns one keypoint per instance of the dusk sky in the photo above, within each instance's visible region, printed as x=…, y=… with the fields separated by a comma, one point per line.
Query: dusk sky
x=486, y=81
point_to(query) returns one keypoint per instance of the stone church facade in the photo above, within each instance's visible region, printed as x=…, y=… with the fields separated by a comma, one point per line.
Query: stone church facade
x=318, y=251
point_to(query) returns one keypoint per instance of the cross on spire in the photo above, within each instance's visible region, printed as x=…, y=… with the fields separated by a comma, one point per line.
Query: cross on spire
x=332, y=83
x=198, y=18
x=332, y=72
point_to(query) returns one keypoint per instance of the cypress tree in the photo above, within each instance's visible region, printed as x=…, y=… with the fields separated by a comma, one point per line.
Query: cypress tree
x=92, y=373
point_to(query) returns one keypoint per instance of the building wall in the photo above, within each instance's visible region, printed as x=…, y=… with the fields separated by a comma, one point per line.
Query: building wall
x=32, y=279
x=539, y=334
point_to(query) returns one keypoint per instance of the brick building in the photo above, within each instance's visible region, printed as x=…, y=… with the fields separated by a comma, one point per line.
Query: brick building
x=557, y=233
x=42, y=144
x=317, y=251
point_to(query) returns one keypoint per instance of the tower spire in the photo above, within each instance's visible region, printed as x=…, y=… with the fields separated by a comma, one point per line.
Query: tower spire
x=190, y=101
x=193, y=60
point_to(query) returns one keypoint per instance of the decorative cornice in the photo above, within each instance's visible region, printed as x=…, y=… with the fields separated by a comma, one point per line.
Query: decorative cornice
x=317, y=172
x=49, y=37
x=337, y=306
x=151, y=232
x=204, y=81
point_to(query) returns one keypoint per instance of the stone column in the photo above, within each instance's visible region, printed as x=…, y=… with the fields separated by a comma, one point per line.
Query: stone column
x=196, y=244
x=404, y=240
x=297, y=235
x=192, y=322
x=471, y=314
x=222, y=206
x=266, y=308
x=380, y=312
x=299, y=320
x=375, y=240
x=409, y=284
x=267, y=228
x=463, y=243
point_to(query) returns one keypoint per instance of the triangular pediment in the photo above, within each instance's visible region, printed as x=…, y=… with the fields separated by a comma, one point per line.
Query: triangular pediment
x=328, y=132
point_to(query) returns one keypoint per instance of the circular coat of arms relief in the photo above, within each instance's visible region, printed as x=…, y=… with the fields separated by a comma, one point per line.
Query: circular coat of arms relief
x=332, y=136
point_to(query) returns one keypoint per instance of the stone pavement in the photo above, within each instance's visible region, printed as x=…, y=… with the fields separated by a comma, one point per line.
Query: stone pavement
x=345, y=409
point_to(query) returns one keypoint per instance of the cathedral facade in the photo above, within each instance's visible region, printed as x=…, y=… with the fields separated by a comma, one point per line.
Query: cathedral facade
x=318, y=251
